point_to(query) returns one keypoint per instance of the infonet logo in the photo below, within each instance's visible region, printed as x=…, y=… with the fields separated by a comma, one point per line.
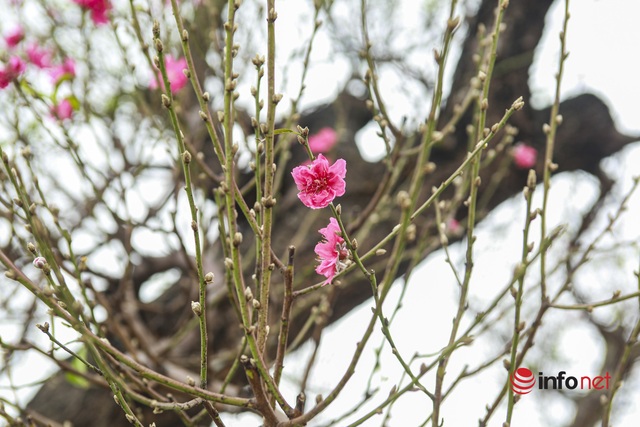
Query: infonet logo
x=523, y=381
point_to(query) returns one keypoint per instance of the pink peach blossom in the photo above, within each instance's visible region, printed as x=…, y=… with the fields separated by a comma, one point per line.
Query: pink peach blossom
x=67, y=68
x=40, y=57
x=323, y=141
x=320, y=183
x=14, y=37
x=11, y=71
x=99, y=9
x=331, y=251
x=63, y=110
x=524, y=156
x=176, y=76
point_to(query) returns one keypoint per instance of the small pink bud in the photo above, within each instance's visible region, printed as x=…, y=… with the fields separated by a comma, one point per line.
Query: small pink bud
x=39, y=262
x=524, y=156
x=454, y=226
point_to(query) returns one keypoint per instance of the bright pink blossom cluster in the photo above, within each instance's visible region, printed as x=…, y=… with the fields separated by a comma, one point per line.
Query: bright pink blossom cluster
x=41, y=58
x=331, y=251
x=99, y=9
x=319, y=183
x=175, y=73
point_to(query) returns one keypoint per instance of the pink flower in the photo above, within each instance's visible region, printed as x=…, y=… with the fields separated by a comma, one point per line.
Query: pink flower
x=524, y=156
x=63, y=110
x=38, y=56
x=99, y=9
x=320, y=183
x=177, y=79
x=68, y=68
x=331, y=251
x=13, y=37
x=323, y=141
x=11, y=71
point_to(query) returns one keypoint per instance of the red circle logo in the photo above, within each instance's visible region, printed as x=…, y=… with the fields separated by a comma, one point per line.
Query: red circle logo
x=522, y=381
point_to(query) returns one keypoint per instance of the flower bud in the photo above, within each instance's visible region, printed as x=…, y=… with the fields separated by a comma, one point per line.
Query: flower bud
x=197, y=309
x=39, y=262
x=531, y=179
x=159, y=46
x=237, y=239
x=518, y=104
x=186, y=157
x=166, y=102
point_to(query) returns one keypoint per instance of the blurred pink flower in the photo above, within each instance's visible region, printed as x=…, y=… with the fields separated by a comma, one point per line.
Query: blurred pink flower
x=323, y=141
x=176, y=76
x=11, y=71
x=99, y=9
x=67, y=68
x=15, y=36
x=320, y=183
x=63, y=110
x=331, y=251
x=454, y=226
x=524, y=156
x=40, y=57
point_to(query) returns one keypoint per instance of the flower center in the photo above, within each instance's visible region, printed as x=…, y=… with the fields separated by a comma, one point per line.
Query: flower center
x=343, y=257
x=318, y=184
